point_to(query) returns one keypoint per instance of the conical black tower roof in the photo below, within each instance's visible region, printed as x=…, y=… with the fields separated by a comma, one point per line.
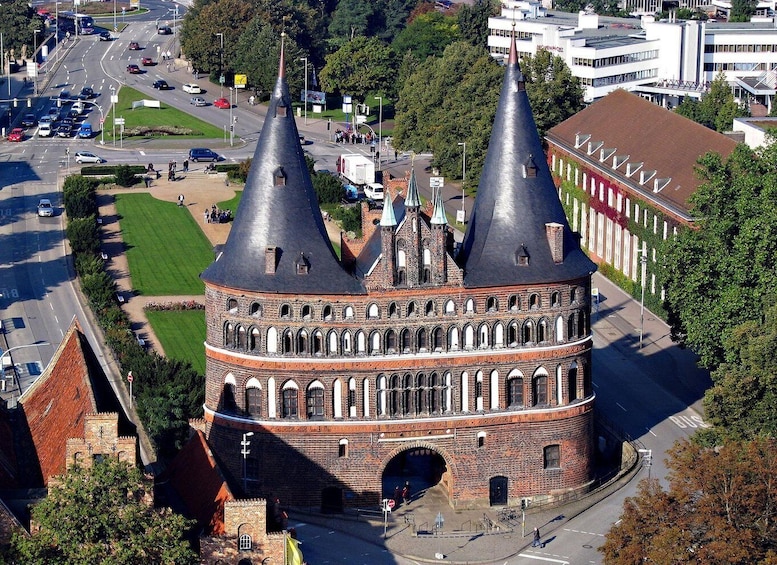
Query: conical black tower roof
x=279, y=219
x=506, y=240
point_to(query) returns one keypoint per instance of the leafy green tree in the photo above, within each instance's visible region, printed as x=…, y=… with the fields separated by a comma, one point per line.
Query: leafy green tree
x=572, y=6
x=718, y=274
x=742, y=10
x=448, y=99
x=718, y=509
x=473, y=21
x=103, y=515
x=17, y=22
x=553, y=92
x=328, y=188
x=428, y=34
x=359, y=67
x=716, y=109
x=79, y=196
x=83, y=235
x=351, y=19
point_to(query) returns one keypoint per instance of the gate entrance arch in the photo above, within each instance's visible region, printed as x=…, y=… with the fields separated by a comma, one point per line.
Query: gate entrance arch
x=421, y=468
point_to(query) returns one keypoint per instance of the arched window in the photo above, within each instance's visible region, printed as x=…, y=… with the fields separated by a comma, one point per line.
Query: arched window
x=540, y=389
x=534, y=302
x=366, y=398
x=245, y=543
x=572, y=382
x=494, y=385
x=348, y=312
x=375, y=343
x=512, y=334
x=573, y=295
x=327, y=313
x=422, y=341
x=492, y=305
x=254, y=341
x=434, y=393
x=272, y=340
x=450, y=307
x=407, y=394
x=395, y=396
x=382, y=396
x=255, y=309
x=391, y=341
x=542, y=331
x=555, y=300
x=254, y=398
x=314, y=400
x=582, y=326
x=272, y=404
x=571, y=327
x=229, y=335
x=307, y=312
x=352, y=398
x=422, y=400
x=285, y=311
x=527, y=332
x=412, y=309
x=465, y=392
x=483, y=336
x=429, y=309
x=479, y=391
x=342, y=448
x=373, y=311
x=302, y=342
x=453, y=338
x=514, y=303
x=232, y=306
x=437, y=339
x=229, y=402
x=333, y=343
x=392, y=309
x=288, y=342
x=515, y=389
x=559, y=329
x=317, y=342
x=499, y=335
x=469, y=337
x=242, y=341
x=289, y=395
x=469, y=306
x=361, y=342
x=446, y=393
x=347, y=342
x=405, y=341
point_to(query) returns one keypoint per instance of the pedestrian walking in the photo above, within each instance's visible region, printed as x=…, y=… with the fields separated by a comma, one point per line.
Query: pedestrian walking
x=180, y=199
x=397, y=495
x=396, y=154
x=536, y=542
x=406, y=493
x=147, y=179
x=186, y=166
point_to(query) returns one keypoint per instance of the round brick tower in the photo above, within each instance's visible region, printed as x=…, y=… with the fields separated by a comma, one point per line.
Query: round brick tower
x=326, y=379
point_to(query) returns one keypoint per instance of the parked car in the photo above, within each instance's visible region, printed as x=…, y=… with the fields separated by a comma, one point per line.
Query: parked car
x=222, y=103
x=86, y=93
x=105, y=36
x=192, y=88
x=164, y=30
x=86, y=157
x=133, y=69
x=45, y=129
x=202, y=154
x=198, y=101
x=161, y=85
x=85, y=131
x=45, y=209
x=17, y=134
x=147, y=61
x=134, y=46
x=29, y=120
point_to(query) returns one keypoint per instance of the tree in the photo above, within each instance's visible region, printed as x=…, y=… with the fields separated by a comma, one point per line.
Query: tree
x=359, y=67
x=17, y=22
x=742, y=10
x=351, y=19
x=428, y=34
x=473, y=21
x=718, y=274
x=718, y=509
x=103, y=515
x=716, y=109
x=553, y=92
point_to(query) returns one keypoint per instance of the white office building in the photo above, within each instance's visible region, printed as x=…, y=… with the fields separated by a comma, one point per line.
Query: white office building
x=662, y=60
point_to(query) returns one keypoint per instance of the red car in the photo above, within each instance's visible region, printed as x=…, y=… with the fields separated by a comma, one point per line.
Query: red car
x=146, y=61
x=134, y=46
x=222, y=103
x=133, y=69
x=17, y=134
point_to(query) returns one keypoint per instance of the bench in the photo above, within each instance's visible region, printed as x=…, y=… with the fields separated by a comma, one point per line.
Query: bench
x=99, y=221
x=120, y=298
x=104, y=255
x=141, y=341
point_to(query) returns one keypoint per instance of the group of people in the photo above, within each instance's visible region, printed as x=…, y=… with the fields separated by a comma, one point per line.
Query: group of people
x=216, y=216
x=352, y=137
x=172, y=167
x=402, y=495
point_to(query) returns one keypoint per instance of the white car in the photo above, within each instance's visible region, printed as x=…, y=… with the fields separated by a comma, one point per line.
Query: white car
x=374, y=191
x=45, y=209
x=86, y=157
x=45, y=129
x=192, y=88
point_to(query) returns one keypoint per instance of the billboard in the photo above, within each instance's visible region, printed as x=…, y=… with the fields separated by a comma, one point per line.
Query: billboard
x=313, y=97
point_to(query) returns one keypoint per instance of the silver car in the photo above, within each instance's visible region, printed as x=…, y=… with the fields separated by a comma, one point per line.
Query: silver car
x=86, y=157
x=198, y=101
x=45, y=209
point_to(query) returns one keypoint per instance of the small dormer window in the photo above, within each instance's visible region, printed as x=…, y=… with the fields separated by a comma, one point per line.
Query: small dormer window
x=530, y=168
x=280, y=110
x=302, y=265
x=522, y=256
x=279, y=177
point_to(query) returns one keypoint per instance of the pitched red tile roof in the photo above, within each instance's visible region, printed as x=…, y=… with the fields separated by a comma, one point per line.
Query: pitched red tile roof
x=197, y=480
x=661, y=139
x=55, y=405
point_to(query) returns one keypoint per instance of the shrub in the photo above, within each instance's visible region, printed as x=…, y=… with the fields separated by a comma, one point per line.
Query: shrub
x=350, y=218
x=328, y=188
x=124, y=176
x=78, y=195
x=83, y=235
x=110, y=170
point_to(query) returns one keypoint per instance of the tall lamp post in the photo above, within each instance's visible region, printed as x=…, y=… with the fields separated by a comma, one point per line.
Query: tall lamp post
x=114, y=99
x=231, y=120
x=380, y=130
x=244, y=452
x=35, y=33
x=221, y=62
x=643, y=261
x=305, y=95
x=7, y=352
x=463, y=175
x=115, y=25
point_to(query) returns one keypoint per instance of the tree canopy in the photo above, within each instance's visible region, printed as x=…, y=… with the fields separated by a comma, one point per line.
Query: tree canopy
x=359, y=67
x=103, y=515
x=716, y=109
x=718, y=510
x=473, y=20
x=719, y=274
x=17, y=22
x=742, y=10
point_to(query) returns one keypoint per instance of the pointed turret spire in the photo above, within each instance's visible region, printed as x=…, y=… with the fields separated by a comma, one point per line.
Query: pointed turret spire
x=388, y=219
x=413, y=200
x=278, y=241
x=282, y=58
x=516, y=203
x=438, y=216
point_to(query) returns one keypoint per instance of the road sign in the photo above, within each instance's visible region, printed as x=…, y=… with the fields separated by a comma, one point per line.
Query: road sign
x=391, y=503
x=130, y=378
x=436, y=182
x=118, y=121
x=222, y=79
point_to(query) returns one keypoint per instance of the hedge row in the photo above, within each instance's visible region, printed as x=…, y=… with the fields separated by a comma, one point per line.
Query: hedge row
x=110, y=170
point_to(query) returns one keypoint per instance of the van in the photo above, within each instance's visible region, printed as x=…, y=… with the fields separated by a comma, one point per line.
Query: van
x=201, y=154
x=45, y=130
x=374, y=191
x=85, y=131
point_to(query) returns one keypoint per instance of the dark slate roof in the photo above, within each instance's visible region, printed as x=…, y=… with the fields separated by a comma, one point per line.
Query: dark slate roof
x=284, y=216
x=511, y=211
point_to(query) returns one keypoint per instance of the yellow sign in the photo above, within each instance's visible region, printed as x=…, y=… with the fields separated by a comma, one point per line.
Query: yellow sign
x=134, y=4
x=241, y=81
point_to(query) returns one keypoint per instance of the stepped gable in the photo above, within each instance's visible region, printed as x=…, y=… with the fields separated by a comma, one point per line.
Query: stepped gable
x=278, y=241
x=507, y=237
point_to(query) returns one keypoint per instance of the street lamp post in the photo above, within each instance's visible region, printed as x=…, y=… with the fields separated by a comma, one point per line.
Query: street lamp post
x=380, y=130
x=115, y=25
x=113, y=104
x=231, y=120
x=7, y=352
x=305, y=94
x=643, y=261
x=221, y=63
x=463, y=174
x=35, y=33
x=244, y=452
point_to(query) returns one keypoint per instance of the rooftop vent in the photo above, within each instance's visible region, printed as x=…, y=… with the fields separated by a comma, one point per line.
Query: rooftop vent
x=660, y=184
x=522, y=256
x=632, y=168
x=280, y=111
x=270, y=260
x=302, y=265
x=594, y=146
x=581, y=139
x=279, y=177
x=605, y=154
x=555, y=233
x=645, y=176
x=618, y=160
x=530, y=168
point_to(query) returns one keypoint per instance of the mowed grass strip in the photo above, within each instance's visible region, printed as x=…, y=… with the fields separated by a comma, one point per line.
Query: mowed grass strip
x=165, y=247
x=182, y=334
x=153, y=117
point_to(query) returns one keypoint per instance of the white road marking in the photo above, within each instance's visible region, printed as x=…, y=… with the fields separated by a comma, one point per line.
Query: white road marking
x=584, y=532
x=543, y=558
x=621, y=407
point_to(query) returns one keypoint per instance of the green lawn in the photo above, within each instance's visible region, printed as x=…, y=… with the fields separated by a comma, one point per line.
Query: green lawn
x=156, y=117
x=165, y=247
x=231, y=204
x=182, y=334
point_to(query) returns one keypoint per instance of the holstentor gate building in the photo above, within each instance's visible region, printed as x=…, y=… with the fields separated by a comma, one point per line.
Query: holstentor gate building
x=479, y=360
